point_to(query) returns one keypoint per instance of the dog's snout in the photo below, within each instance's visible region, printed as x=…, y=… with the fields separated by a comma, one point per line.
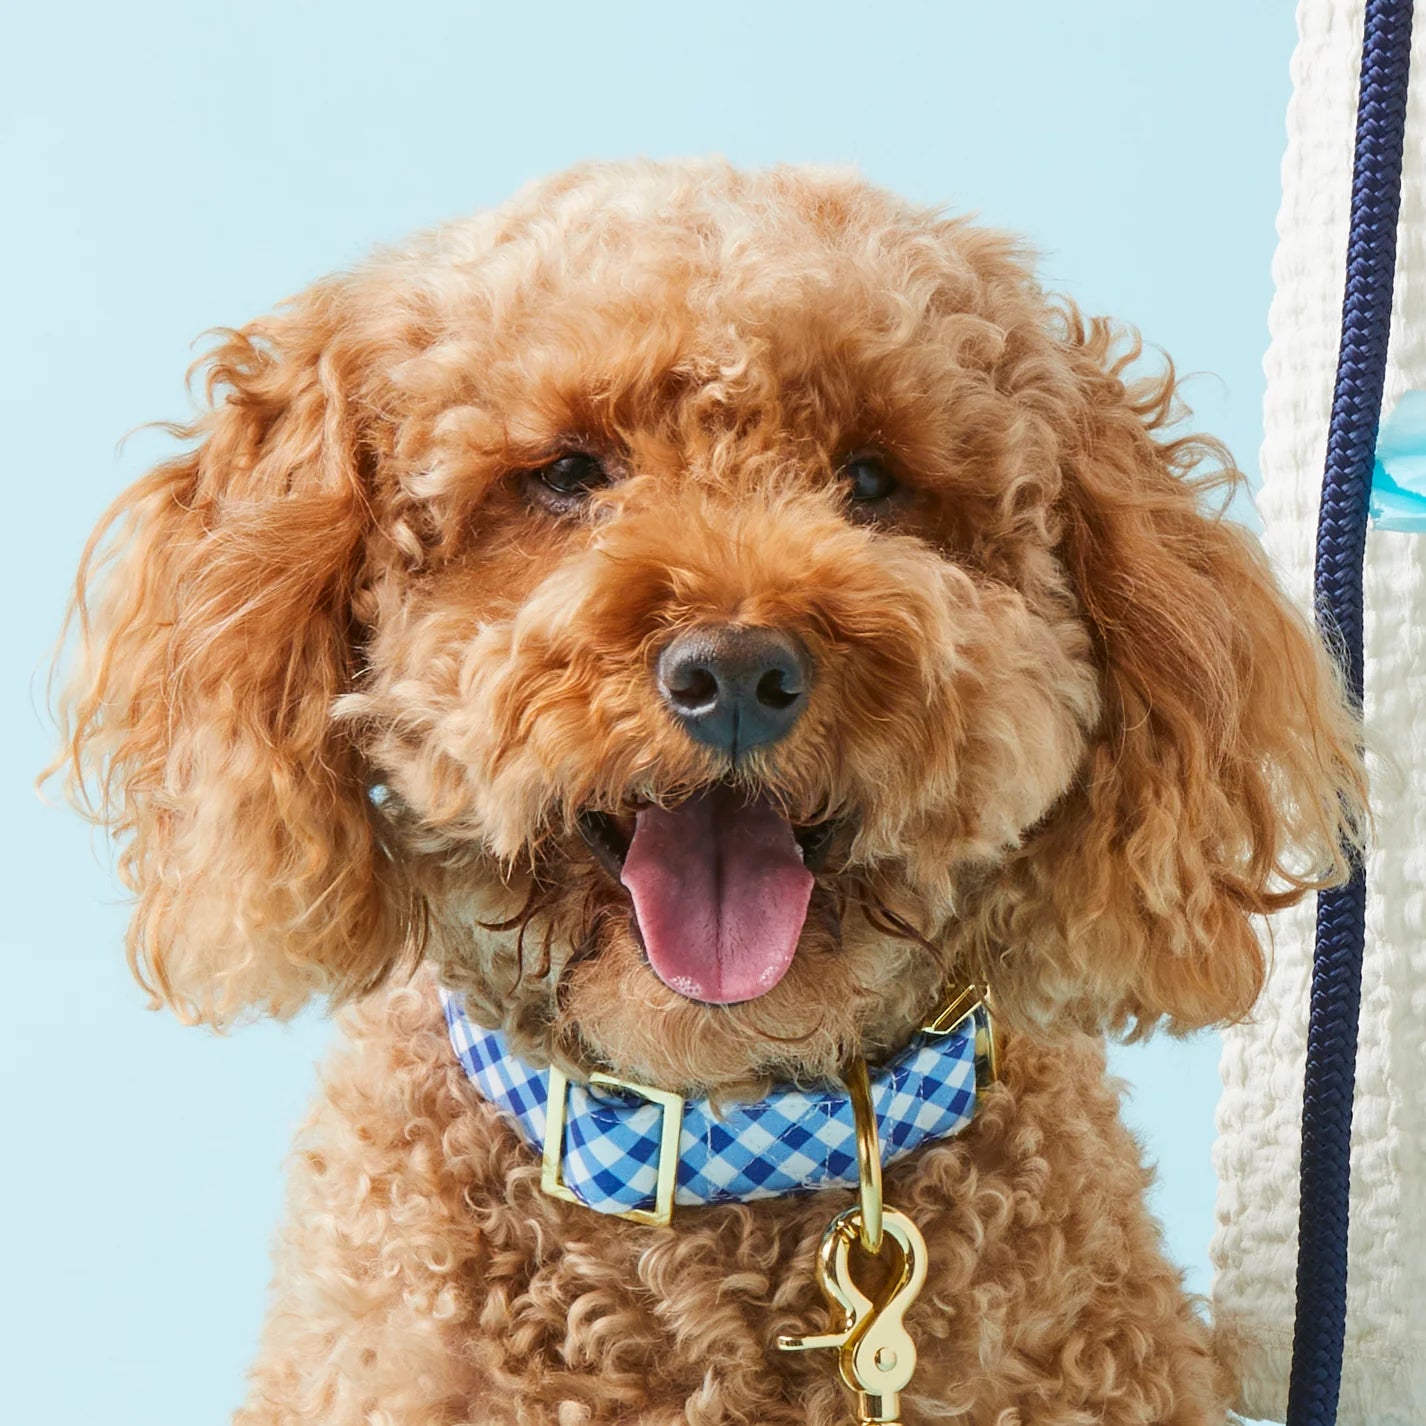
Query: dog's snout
x=734, y=688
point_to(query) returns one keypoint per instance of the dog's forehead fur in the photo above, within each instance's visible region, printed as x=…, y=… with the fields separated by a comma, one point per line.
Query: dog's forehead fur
x=704, y=317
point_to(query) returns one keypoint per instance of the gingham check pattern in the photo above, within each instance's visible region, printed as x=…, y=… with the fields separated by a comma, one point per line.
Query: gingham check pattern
x=792, y=1141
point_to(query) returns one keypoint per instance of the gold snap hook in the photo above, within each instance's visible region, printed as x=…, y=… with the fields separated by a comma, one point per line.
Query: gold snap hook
x=876, y=1355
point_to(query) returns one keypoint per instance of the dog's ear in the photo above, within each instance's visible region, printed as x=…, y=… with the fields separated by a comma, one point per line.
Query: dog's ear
x=215, y=620
x=1224, y=779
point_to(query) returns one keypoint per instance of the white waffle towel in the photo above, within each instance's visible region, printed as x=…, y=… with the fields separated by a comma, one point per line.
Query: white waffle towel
x=1255, y=1247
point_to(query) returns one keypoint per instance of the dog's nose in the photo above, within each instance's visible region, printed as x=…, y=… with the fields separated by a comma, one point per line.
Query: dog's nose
x=734, y=688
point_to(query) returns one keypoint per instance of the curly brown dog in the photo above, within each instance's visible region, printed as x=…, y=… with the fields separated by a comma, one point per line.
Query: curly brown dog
x=700, y=616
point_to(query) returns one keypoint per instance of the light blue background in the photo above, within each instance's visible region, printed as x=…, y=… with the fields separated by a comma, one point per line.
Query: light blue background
x=169, y=167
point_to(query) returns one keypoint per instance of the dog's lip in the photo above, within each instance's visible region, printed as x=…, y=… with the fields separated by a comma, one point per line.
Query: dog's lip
x=608, y=835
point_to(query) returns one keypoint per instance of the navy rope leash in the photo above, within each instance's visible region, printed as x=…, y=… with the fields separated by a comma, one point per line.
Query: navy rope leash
x=1320, y=1326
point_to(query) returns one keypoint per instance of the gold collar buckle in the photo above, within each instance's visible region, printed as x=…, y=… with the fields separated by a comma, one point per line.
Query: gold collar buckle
x=552, y=1158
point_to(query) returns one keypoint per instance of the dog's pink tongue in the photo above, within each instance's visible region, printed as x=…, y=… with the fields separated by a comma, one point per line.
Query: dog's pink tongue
x=721, y=894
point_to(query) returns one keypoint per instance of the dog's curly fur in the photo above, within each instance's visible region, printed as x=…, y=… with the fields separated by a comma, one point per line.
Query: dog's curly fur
x=346, y=687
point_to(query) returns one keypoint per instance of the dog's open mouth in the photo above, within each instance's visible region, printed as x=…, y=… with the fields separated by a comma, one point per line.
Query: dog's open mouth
x=720, y=887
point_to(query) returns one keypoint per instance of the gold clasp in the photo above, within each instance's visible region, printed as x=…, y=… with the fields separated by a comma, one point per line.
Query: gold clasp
x=876, y=1355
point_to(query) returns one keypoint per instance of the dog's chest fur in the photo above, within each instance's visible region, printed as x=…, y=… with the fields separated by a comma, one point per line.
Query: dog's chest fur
x=467, y=1295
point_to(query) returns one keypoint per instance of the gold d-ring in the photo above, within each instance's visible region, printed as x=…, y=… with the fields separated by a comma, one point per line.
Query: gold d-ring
x=868, y=1152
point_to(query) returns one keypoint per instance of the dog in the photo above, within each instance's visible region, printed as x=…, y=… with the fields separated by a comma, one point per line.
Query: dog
x=685, y=622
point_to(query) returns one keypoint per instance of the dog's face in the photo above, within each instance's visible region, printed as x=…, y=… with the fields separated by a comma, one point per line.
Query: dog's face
x=705, y=613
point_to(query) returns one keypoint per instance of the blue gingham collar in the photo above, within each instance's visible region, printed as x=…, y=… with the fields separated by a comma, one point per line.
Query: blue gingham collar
x=791, y=1141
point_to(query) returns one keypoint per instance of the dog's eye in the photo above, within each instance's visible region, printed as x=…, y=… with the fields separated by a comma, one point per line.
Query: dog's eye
x=868, y=481
x=564, y=482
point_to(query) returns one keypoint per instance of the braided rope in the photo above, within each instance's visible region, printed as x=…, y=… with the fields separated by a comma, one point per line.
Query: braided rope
x=1320, y=1326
